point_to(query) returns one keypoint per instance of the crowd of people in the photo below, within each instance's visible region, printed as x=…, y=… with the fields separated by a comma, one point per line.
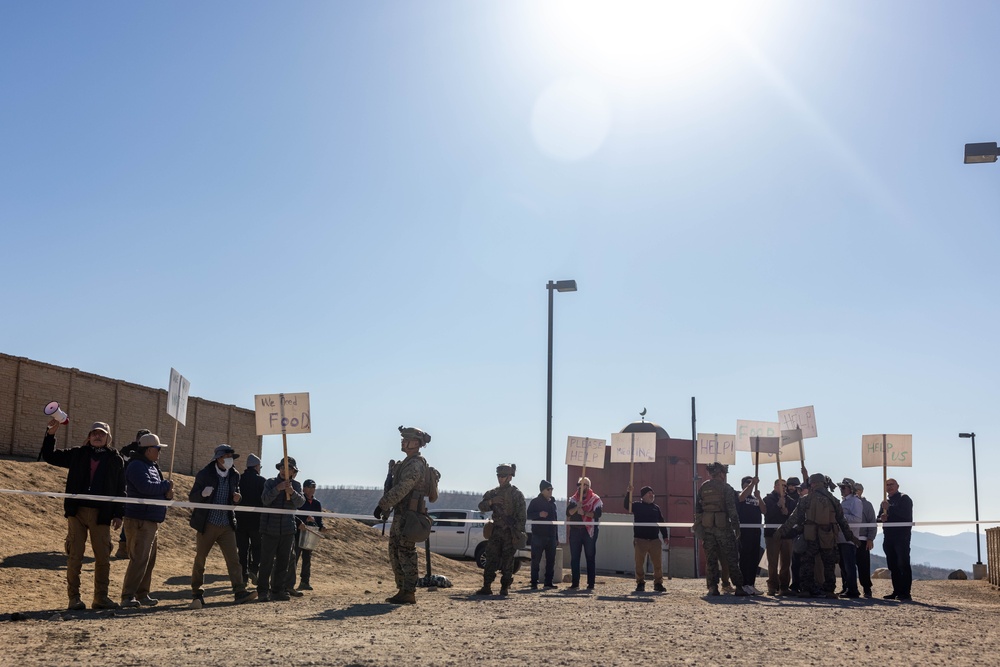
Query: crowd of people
x=806, y=533
x=259, y=549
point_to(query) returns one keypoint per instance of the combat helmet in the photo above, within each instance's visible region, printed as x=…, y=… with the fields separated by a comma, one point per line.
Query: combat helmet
x=414, y=433
x=716, y=468
x=507, y=469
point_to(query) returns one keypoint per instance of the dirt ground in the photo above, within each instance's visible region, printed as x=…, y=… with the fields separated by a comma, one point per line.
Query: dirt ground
x=345, y=620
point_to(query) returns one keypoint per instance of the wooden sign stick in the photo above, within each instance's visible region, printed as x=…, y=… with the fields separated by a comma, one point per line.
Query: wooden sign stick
x=885, y=471
x=777, y=457
x=284, y=447
x=631, y=470
x=173, y=450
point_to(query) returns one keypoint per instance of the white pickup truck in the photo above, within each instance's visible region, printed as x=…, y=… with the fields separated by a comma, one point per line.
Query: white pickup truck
x=452, y=536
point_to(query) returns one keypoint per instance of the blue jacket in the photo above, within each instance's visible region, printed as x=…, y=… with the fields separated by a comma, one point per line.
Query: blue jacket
x=143, y=479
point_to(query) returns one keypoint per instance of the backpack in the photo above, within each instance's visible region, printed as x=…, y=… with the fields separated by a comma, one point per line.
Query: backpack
x=431, y=479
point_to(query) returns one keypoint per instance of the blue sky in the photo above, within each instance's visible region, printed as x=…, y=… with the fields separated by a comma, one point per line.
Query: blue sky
x=764, y=206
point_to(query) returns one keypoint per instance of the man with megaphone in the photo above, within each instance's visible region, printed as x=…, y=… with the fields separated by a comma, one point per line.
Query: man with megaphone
x=95, y=468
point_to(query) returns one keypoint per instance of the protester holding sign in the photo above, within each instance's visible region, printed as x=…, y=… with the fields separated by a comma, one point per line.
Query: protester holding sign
x=897, y=508
x=277, y=532
x=583, y=512
x=749, y=507
x=779, y=504
x=94, y=468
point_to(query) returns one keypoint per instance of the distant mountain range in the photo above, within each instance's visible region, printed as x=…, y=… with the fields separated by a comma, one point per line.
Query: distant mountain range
x=951, y=552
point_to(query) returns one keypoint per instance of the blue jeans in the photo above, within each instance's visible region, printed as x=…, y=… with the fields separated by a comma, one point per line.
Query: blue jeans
x=540, y=545
x=580, y=540
x=849, y=567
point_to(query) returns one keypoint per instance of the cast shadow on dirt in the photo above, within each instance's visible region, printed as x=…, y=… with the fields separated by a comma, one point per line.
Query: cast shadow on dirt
x=357, y=610
x=40, y=560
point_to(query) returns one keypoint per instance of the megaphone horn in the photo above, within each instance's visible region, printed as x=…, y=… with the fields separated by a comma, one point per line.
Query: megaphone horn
x=52, y=410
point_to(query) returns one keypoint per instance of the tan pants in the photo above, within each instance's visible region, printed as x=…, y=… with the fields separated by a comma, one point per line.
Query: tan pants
x=225, y=537
x=652, y=549
x=140, y=540
x=779, y=563
x=80, y=526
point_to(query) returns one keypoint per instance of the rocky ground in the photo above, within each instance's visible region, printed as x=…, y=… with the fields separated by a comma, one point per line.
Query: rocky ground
x=345, y=621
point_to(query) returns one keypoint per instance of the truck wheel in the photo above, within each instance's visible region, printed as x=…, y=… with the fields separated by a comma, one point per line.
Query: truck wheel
x=481, y=555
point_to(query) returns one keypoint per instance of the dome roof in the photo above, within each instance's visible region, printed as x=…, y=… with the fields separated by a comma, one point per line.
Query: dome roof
x=647, y=427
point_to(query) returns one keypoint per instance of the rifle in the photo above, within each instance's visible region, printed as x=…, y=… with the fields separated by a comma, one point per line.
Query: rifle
x=385, y=488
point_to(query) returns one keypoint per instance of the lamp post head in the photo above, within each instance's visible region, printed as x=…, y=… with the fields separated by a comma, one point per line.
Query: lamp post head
x=979, y=153
x=565, y=285
x=967, y=435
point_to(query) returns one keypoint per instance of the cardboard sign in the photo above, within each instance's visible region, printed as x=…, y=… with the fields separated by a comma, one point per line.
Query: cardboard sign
x=803, y=418
x=746, y=429
x=177, y=397
x=898, y=451
x=624, y=444
x=716, y=448
x=791, y=437
x=589, y=451
x=789, y=453
x=282, y=413
x=765, y=445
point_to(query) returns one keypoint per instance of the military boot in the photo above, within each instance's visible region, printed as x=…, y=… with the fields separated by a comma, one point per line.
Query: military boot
x=485, y=590
x=714, y=590
x=504, y=590
x=640, y=586
x=403, y=597
x=658, y=587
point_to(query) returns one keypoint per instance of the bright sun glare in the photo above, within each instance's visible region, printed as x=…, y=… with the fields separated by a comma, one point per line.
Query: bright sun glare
x=645, y=38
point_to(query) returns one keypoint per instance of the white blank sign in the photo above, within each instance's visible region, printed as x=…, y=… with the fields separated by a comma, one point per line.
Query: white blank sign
x=177, y=397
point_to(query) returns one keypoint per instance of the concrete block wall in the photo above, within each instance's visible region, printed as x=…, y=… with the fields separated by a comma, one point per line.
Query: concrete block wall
x=27, y=385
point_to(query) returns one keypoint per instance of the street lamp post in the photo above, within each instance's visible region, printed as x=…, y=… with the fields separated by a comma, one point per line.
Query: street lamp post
x=558, y=286
x=975, y=491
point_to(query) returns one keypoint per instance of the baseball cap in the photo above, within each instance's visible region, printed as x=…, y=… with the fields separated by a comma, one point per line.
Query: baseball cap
x=150, y=440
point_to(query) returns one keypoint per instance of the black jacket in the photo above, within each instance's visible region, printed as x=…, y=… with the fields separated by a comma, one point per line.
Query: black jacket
x=251, y=488
x=208, y=477
x=646, y=513
x=108, y=480
x=538, y=505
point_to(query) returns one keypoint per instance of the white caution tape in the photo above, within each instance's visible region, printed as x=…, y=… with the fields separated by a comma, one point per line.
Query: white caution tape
x=367, y=517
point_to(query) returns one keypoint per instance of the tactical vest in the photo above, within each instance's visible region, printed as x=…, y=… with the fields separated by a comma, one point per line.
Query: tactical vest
x=820, y=518
x=713, y=504
x=416, y=502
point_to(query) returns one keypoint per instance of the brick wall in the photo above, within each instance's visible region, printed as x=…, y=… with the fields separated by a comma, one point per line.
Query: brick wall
x=27, y=385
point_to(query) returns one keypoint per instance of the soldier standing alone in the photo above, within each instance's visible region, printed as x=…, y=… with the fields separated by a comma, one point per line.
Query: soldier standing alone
x=717, y=525
x=509, y=516
x=406, y=492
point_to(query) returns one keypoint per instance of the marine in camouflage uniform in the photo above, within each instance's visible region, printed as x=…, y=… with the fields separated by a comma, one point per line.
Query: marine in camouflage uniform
x=509, y=516
x=406, y=482
x=816, y=514
x=717, y=525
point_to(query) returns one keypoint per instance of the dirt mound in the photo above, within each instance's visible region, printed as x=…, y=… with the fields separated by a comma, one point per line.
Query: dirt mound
x=352, y=559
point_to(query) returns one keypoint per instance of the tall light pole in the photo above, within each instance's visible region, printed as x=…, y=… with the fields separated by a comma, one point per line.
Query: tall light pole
x=975, y=491
x=558, y=286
